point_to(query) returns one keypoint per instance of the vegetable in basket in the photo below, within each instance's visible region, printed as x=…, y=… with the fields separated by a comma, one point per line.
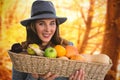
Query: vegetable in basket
x=17, y=48
x=34, y=49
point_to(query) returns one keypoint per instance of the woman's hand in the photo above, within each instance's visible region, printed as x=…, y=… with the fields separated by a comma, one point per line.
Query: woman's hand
x=36, y=76
x=78, y=75
x=47, y=76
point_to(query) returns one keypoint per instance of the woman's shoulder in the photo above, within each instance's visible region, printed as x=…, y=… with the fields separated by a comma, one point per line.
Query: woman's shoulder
x=70, y=43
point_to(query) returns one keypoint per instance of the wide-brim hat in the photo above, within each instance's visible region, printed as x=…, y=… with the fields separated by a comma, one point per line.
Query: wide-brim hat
x=43, y=9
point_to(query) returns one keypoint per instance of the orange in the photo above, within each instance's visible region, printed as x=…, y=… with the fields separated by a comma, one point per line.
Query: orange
x=64, y=57
x=61, y=51
x=71, y=50
x=78, y=57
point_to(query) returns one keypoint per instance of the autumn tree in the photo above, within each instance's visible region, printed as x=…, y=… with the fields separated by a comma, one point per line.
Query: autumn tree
x=88, y=23
x=92, y=31
x=111, y=44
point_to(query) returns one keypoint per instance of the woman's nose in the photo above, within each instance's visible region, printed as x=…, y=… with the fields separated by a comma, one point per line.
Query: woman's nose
x=47, y=28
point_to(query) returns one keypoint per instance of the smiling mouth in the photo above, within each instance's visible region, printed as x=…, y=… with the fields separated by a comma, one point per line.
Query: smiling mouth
x=46, y=35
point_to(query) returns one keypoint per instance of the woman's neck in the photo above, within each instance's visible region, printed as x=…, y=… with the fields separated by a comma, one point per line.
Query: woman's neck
x=44, y=44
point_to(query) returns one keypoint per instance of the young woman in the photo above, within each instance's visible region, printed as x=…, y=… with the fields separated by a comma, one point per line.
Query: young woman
x=43, y=29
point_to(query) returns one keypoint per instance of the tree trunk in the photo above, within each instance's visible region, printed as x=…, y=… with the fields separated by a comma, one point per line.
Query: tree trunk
x=88, y=27
x=111, y=40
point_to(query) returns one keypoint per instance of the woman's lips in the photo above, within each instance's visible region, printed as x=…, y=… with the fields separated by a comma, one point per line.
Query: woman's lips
x=46, y=35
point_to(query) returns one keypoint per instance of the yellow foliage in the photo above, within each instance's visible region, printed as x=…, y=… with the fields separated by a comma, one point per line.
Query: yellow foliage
x=13, y=11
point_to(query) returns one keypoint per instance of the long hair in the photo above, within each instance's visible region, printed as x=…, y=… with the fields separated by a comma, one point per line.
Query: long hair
x=32, y=36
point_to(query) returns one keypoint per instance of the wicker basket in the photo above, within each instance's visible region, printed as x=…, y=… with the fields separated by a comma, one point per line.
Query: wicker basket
x=36, y=64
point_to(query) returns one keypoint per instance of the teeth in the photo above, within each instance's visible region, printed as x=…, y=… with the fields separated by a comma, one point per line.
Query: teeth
x=46, y=35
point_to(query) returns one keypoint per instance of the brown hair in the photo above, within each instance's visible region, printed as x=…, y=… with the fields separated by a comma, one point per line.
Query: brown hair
x=32, y=36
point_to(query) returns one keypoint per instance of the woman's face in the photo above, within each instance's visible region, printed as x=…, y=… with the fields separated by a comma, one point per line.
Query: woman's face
x=45, y=29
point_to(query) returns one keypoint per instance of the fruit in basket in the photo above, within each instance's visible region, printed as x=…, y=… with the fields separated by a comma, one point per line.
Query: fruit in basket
x=50, y=52
x=30, y=51
x=87, y=57
x=101, y=58
x=78, y=57
x=36, y=49
x=17, y=47
x=61, y=51
x=63, y=57
x=71, y=50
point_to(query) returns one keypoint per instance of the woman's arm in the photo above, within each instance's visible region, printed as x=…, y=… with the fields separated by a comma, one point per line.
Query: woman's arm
x=16, y=75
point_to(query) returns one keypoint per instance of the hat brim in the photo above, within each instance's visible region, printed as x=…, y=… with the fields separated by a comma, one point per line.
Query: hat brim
x=27, y=21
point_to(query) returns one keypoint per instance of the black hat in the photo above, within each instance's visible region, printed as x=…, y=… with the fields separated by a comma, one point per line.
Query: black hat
x=43, y=9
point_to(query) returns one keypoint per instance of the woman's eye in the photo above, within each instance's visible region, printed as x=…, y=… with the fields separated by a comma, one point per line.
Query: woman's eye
x=53, y=23
x=41, y=24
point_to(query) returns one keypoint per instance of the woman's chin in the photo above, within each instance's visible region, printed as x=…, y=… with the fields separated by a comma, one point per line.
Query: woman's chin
x=45, y=41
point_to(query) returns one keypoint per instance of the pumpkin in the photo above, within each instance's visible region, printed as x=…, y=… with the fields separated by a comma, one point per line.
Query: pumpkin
x=100, y=58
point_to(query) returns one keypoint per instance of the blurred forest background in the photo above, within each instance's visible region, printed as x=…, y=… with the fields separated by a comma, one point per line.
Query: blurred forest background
x=87, y=27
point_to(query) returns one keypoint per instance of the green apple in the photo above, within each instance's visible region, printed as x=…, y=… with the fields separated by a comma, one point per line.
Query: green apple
x=30, y=51
x=50, y=52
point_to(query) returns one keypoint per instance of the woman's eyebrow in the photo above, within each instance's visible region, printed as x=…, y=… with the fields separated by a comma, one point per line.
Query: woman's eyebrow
x=45, y=20
x=40, y=21
x=53, y=21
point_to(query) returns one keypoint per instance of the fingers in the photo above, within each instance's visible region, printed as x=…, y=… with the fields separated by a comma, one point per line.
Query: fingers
x=81, y=75
x=52, y=77
x=48, y=76
x=35, y=75
x=78, y=75
x=71, y=77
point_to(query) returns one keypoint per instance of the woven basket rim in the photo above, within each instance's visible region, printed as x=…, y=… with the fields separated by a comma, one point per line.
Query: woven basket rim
x=59, y=58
